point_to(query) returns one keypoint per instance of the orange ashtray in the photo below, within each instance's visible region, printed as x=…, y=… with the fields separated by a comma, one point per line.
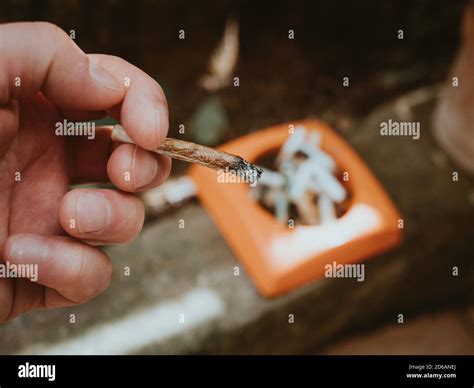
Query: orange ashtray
x=280, y=258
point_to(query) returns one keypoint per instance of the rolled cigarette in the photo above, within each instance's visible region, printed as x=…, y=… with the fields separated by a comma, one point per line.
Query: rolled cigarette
x=328, y=183
x=281, y=207
x=171, y=193
x=292, y=145
x=298, y=182
x=272, y=179
x=327, y=210
x=321, y=158
x=199, y=154
x=308, y=211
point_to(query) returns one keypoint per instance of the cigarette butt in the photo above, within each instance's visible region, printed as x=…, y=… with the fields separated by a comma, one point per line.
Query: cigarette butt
x=308, y=211
x=327, y=209
x=281, y=207
x=272, y=179
x=173, y=192
x=292, y=145
x=329, y=183
x=299, y=181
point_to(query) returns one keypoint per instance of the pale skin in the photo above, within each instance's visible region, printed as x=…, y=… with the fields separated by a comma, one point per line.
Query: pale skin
x=41, y=221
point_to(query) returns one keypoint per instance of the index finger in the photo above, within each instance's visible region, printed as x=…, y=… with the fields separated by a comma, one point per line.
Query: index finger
x=144, y=110
x=41, y=57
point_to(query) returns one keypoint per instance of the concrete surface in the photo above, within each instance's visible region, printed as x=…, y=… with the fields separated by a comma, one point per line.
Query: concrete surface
x=449, y=332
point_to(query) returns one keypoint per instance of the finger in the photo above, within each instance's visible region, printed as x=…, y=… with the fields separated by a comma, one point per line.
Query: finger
x=9, y=119
x=40, y=56
x=132, y=168
x=7, y=296
x=144, y=110
x=27, y=295
x=54, y=299
x=83, y=115
x=76, y=270
x=105, y=216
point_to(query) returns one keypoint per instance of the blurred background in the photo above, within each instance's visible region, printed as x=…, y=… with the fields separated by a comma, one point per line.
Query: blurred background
x=175, y=289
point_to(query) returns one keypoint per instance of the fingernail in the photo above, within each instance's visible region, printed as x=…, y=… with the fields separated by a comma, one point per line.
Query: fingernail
x=162, y=123
x=103, y=76
x=92, y=212
x=144, y=168
x=27, y=249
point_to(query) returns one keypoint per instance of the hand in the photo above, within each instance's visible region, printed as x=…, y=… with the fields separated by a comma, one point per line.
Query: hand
x=44, y=79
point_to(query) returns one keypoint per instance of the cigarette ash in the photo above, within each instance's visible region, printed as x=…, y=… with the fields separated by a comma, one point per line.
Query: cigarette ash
x=306, y=186
x=250, y=172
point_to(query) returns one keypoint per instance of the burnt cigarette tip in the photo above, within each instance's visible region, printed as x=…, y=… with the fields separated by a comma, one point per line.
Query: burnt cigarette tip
x=250, y=171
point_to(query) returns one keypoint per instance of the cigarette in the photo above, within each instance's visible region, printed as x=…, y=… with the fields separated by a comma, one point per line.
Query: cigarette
x=281, y=207
x=173, y=192
x=199, y=154
x=272, y=178
x=326, y=209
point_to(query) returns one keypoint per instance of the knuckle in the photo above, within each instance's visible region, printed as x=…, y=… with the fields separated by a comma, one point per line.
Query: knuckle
x=51, y=29
x=54, y=36
x=91, y=283
x=80, y=282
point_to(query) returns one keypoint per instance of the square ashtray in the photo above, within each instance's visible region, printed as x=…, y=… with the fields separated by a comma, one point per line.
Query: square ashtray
x=278, y=257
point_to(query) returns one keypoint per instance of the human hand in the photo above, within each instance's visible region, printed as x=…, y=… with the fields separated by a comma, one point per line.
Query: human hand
x=44, y=79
